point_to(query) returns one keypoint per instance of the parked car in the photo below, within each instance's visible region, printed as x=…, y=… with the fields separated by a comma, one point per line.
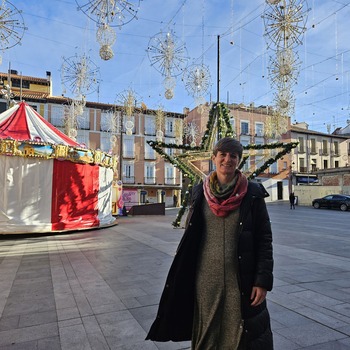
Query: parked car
x=332, y=201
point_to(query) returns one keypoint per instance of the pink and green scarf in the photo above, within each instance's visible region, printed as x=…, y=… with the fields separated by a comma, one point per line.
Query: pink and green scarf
x=225, y=198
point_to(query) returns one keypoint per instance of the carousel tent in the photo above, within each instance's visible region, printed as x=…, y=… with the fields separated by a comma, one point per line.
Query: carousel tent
x=48, y=182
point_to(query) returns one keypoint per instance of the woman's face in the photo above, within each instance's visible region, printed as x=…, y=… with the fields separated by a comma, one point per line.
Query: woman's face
x=226, y=164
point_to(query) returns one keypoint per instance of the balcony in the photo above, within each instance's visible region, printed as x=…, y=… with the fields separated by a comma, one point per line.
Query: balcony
x=303, y=169
x=323, y=152
x=150, y=155
x=128, y=155
x=150, y=132
x=169, y=181
x=150, y=180
x=128, y=179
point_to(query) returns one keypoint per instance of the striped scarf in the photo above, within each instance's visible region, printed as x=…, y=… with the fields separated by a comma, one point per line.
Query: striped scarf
x=225, y=198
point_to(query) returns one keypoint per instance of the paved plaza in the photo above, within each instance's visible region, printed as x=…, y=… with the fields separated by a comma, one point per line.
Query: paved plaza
x=99, y=289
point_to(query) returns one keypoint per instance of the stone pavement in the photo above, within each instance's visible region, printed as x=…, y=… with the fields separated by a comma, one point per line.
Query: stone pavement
x=99, y=289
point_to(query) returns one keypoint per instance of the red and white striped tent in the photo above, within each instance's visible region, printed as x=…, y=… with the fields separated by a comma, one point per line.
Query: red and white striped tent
x=48, y=182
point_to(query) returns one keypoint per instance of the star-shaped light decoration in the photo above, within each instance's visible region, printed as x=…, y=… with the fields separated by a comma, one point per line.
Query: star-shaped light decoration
x=218, y=126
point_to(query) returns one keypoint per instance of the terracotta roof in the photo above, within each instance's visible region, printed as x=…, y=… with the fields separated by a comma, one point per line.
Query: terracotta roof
x=31, y=95
x=25, y=77
x=312, y=132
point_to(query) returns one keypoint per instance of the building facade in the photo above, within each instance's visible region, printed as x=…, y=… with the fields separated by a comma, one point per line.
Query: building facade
x=316, y=151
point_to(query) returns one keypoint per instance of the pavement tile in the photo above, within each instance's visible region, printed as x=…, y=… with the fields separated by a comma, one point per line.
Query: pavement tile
x=21, y=335
x=310, y=334
x=37, y=318
x=74, y=337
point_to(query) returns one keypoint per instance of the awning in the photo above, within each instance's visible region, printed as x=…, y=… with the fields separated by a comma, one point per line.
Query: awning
x=306, y=179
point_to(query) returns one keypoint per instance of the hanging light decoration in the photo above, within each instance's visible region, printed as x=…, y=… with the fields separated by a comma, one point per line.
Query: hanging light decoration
x=112, y=120
x=285, y=23
x=106, y=37
x=284, y=67
x=168, y=55
x=197, y=77
x=11, y=26
x=197, y=82
x=178, y=131
x=107, y=14
x=81, y=77
x=191, y=133
x=128, y=100
x=159, y=119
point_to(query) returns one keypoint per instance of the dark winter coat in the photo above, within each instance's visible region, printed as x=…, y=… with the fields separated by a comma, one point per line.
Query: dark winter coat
x=175, y=313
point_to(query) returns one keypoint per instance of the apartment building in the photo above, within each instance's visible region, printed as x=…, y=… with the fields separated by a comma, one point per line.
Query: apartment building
x=146, y=177
x=316, y=151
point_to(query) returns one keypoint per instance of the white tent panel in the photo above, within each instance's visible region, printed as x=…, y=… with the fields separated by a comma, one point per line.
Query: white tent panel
x=25, y=194
x=105, y=196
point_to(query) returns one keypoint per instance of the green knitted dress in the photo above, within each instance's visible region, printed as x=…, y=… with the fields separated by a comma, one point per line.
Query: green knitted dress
x=217, y=315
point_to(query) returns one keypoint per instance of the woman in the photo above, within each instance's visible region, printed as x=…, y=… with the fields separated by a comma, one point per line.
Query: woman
x=216, y=287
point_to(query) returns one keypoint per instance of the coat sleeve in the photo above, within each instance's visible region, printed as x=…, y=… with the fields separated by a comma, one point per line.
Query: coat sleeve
x=263, y=244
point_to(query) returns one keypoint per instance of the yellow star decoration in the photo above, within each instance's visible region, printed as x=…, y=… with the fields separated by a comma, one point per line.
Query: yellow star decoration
x=218, y=126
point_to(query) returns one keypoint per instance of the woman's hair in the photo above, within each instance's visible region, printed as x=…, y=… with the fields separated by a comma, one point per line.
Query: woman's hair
x=228, y=145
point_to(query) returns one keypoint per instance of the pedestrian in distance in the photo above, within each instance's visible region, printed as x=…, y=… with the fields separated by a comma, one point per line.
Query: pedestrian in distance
x=175, y=200
x=215, y=291
x=292, y=200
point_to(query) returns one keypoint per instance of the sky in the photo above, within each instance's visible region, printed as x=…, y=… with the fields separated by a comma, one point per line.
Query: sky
x=226, y=37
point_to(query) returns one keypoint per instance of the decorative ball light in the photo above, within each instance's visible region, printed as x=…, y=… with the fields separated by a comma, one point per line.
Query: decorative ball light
x=106, y=37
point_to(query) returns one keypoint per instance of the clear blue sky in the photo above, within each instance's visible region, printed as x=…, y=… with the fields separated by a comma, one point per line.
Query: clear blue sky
x=57, y=30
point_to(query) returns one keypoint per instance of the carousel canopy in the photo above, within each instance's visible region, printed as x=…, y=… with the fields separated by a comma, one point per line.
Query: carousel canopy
x=48, y=182
x=21, y=122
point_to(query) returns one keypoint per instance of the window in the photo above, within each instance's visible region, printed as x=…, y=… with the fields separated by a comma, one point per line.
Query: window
x=150, y=126
x=128, y=147
x=17, y=83
x=169, y=174
x=127, y=121
x=325, y=147
x=246, y=166
x=232, y=122
x=313, y=164
x=301, y=145
x=273, y=169
x=245, y=128
x=57, y=115
x=128, y=173
x=259, y=129
x=336, y=164
x=325, y=164
x=105, y=141
x=302, y=167
x=170, y=151
x=84, y=120
x=150, y=171
x=313, y=146
x=169, y=127
x=336, y=148
x=149, y=151
x=83, y=137
x=259, y=158
x=109, y=121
